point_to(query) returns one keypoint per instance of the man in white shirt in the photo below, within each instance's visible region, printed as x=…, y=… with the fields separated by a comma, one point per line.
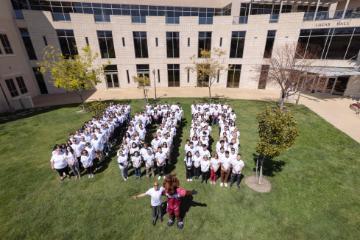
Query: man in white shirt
x=237, y=167
x=160, y=158
x=155, y=193
x=225, y=169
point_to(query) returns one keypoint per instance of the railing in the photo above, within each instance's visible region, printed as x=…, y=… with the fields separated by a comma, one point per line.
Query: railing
x=57, y=16
x=138, y=19
x=240, y=20
x=172, y=20
x=101, y=18
x=328, y=15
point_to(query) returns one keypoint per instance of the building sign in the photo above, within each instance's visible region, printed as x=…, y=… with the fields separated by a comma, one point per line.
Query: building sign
x=333, y=24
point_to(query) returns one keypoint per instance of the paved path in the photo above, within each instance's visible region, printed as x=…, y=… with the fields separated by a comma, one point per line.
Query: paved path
x=334, y=109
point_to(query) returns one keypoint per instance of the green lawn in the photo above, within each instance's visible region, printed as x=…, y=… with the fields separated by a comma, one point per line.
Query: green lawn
x=315, y=188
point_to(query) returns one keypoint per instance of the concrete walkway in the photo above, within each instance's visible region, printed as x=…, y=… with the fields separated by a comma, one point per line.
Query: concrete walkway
x=333, y=109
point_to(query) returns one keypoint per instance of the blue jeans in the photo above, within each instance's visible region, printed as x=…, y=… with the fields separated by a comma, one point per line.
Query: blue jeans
x=138, y=172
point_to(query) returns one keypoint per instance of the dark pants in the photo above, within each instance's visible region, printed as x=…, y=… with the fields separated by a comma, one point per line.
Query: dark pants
x=156, y=212
x=189, y=172
x=161, y=170
x=138, y=172
x=204, y=176
x=196, y=172
x=235, y=177
x=63, y=171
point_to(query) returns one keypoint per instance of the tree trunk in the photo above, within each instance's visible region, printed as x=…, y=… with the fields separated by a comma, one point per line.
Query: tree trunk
x=257, y=168
x=282, y=100
x=81, y=100
x=145, y=95
x=209, y=92
x=298, y=98
x=261, y=172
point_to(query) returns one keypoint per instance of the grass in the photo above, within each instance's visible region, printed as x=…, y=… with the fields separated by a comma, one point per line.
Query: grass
x=315, y=188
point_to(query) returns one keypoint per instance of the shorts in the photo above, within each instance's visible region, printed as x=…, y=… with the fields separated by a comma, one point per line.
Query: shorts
x=62, y=171
x=173, y=207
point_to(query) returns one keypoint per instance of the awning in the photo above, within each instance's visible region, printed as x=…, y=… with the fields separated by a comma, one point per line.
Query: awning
x=332, y=71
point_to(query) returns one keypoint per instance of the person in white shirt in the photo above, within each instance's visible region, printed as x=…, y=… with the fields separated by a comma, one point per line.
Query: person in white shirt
x=189, y=162
x=205, y=166
x=160, y=158
x=237, y=167
x=155, y=193
x=225, y=169
x=149, y=158
x=214, y=167
x=87, y=163
x=72, y=162
x=136, y=162
x=59, y=163
x=123, y=163
x=197, y=160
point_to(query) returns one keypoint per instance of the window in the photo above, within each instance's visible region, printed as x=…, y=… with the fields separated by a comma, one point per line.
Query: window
x=45, y=41
x=263, y=76
x=67, y=42
x=206, y=16
x=158, y=71
x=329, y=43
x=111, y=76
x=220, y=44
x=140, y=45
x=128, y=76
x=61, y=16
x=233, y=78
x=87, y=41
x=237, y=44
x=156, y=42
x=6, y=44
x=269, y=43
x=101, y=18
x=188, y=42
x=12, y=88
x=218, y=76
x=188, y=75
x=28, y=44
x=40, y=80
x=21, y=85
x=143, y=70
x=172, y=44
x=173, y=75
x=106, y=44
x=123, y=41
x=204, y=42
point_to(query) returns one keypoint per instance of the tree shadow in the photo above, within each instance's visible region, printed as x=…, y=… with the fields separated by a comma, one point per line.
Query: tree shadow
x=175, y=151
x=270, y=166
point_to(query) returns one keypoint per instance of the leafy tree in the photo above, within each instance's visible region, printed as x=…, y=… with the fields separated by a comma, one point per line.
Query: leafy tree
x=143, y=82
x=208, y=66
x=75, y=74
x=97, y=108
x=277, y=132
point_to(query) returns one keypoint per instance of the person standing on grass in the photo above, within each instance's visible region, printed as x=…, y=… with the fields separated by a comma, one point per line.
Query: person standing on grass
x=160, y=158
x=225, y=169
x=72, y=162
x=136, y=162
x=237, y=166
x=149, y=158
x=59, y=163
x=214, y=167
x=205, y=166
x=197, y=161
x=189, y=162
x=123, y=163
x=87, y=163
x=155, y=193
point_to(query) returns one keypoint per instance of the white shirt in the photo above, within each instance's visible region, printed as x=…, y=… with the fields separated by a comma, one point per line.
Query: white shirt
x=149, y=159
x=155, y=196
x=123, y=160
x=237, y=166
x=197, y=161
x=59, y=161
x=215, y=164
x=225, y=163
x=188, y=161
x=160, y=158
x=205, y=165
x=86, y=161
x=136, y=161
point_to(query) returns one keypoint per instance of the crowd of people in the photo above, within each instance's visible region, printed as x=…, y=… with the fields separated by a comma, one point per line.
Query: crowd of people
x=225, y=161
x=85, y=149
x=135, y=152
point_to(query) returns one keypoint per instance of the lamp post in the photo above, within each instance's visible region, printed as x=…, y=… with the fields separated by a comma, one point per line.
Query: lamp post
x=153, y=71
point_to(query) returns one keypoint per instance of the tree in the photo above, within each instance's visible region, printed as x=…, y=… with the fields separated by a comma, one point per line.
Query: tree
x=288, y=65
x=74, y=74
x=143, y=82
x=208, y=66
x=277, y=132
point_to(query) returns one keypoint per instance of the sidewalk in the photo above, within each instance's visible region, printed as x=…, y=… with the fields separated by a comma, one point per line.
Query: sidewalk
x=335, y=110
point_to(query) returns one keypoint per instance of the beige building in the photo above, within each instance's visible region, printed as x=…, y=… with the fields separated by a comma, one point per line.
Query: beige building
x=157, y=38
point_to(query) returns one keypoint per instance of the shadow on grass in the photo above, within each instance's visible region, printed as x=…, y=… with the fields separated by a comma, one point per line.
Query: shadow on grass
x=175, y=151
x=270, y=166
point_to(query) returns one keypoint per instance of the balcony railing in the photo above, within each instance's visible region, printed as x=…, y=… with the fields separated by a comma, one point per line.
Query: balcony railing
x=240, y=20
x=172, y=20
x=101, y=18
x=138, y=19
x=328, y=15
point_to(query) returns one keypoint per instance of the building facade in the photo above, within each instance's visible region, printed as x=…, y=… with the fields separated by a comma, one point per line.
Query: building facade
x=158, y=38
